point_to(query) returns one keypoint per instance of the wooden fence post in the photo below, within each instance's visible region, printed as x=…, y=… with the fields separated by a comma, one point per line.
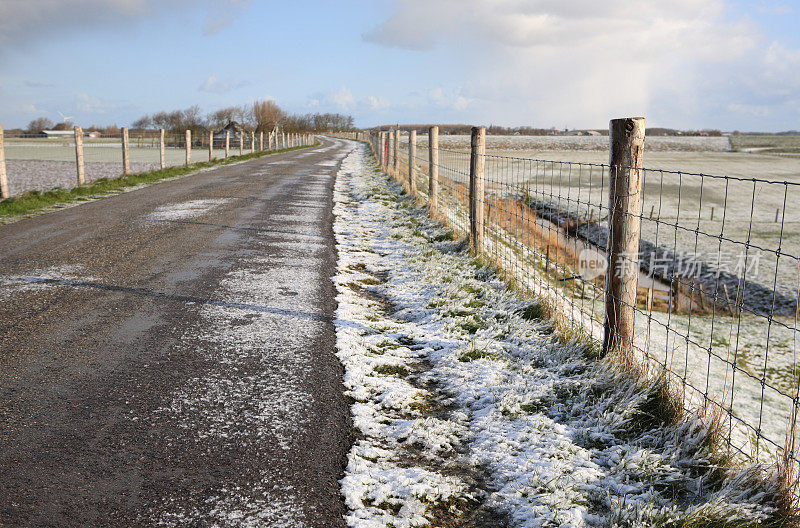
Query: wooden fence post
x=126, y=153
x=397, y=153
x=381, y=154
x=433, y=169
x=3, y=175
x=252, y=142
x=162, y=149
x=412, y=156
x=188, y=147
x=626, y=151
x=211, y=145
x=477, y=185
x=79, y=165
x=390, y=161
x=227, y=143
x=261, y=141
x=241, y=142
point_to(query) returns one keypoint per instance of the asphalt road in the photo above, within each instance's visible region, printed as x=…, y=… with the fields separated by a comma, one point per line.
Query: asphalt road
x=167, y=354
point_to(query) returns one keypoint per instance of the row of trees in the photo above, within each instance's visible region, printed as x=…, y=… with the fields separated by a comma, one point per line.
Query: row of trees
x=261, y=116
x=43, y=123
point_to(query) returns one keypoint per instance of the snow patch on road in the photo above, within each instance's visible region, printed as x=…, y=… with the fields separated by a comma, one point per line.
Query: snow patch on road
x=186, y=210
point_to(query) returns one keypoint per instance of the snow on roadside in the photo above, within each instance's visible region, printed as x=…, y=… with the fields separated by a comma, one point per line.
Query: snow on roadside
x=532, y=429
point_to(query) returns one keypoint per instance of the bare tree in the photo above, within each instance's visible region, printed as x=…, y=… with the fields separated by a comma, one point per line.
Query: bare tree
x=220, y=118
x=143, y=123
x=267, y=115
x=39, y=124
x=64, y=125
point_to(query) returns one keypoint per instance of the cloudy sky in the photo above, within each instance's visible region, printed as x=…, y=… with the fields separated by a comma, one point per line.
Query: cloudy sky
x=730, y=64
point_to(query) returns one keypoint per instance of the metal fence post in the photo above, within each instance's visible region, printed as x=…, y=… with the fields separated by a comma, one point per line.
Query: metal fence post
x=626, y=151
x=211, y=145
x=188, y=147
x=79, y=155
x=433, y=169
x=412, y=155
x=3, y=175
x=162, y=148
x=477, y=161
x=126, y=153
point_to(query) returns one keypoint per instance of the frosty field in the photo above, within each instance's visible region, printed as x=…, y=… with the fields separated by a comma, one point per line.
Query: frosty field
x=44, y=164
x=707, y=204
x=469, y=408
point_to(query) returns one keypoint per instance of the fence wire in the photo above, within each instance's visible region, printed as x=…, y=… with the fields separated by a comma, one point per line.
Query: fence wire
x=41, y=163
x=718, y=273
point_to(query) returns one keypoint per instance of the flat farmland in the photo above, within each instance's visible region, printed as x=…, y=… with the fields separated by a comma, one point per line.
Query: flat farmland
x=42, y=164
x=733, y=210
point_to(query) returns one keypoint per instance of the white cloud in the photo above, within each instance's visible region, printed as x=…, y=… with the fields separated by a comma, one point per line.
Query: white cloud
x=221, y=14
x=342, y=98
x=25, y=21
x=89, y=104
x=582, y=62
x=214, y=85
x=376, y=102
x=452, y=99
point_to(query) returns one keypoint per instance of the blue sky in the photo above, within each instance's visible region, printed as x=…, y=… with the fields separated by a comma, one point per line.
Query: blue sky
x=729, y=64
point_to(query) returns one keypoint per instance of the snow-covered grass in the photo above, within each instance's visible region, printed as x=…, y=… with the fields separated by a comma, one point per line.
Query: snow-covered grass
x=470, y=407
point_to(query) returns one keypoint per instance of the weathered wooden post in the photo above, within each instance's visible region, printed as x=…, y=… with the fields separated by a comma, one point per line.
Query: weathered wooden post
x=3, y=175
x=261, y=141
x=433, y=169
x=241, y=142
x=412, y=157
x=162, y=149
x=626, y=152
x=126, y=153
x=211, y=145
x=477, y=185
x=397, y=153
x=227, y=143
x=188, y=147
x=252, y=142
x=79, y=166
x=392, y=153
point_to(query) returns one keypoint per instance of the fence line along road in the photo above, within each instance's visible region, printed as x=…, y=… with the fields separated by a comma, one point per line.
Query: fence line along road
x=29, y=162
x=693, y=275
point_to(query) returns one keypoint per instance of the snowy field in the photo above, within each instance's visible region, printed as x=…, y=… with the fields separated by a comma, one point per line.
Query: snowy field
x=43, y=165
x=468, y=408
x=717, y=356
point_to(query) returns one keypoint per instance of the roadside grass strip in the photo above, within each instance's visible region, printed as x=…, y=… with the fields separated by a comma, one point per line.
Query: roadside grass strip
x=471, y=409
x=38, y=202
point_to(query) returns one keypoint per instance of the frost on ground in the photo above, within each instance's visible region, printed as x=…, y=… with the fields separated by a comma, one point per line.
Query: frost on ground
x=185, y=210
x=470, y=408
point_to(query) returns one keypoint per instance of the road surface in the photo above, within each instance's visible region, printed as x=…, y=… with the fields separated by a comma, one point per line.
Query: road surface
x=167, y=354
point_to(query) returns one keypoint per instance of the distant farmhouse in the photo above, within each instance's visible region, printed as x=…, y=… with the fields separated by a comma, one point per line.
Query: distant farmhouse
x=65, y=133
x=233, y=127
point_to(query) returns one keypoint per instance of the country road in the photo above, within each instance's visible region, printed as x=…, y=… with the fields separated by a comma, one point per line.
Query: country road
x=167, y=354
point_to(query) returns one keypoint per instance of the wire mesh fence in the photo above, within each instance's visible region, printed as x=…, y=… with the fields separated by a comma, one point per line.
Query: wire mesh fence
x=717, y=271
x=37, y=162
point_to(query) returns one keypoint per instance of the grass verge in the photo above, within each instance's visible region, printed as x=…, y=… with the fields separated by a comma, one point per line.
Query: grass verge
x=31, y=202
